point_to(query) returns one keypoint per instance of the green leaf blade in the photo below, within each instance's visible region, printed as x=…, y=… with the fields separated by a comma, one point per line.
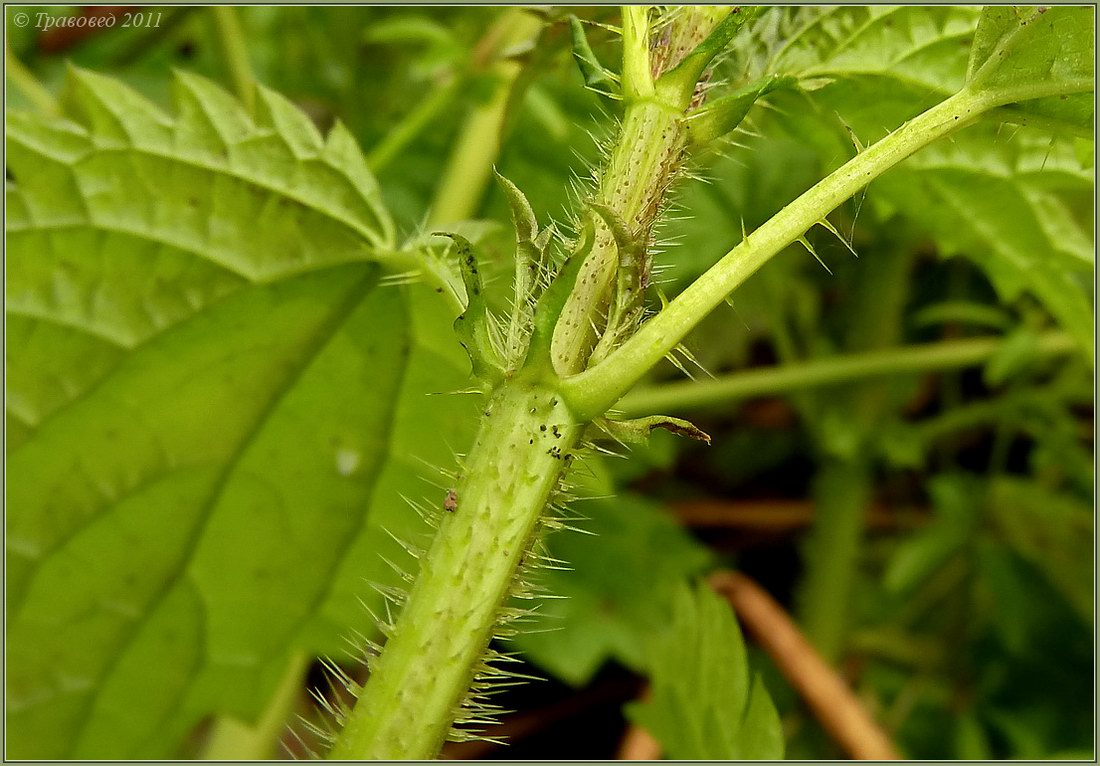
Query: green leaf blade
x=1041, y=59
x=704, y=704
x=210, y=388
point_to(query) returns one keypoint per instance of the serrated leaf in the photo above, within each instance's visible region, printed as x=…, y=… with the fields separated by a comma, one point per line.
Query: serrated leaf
x=918, y=44
x=1053, y=532
x=1039, y=62
x=875, y=65
x=1038, y=58
x=880, y=65
x=211, y=391
x=704, y=704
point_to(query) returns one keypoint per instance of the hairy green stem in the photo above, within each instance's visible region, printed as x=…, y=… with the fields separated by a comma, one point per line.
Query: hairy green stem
x=648, y=154
x=421, y=678
x=770, y=381
x=598, y=388
x=491, y=519
x=644, y=158
x=231, y=41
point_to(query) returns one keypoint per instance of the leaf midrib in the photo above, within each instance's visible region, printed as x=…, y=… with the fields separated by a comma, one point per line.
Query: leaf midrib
x=321, y=339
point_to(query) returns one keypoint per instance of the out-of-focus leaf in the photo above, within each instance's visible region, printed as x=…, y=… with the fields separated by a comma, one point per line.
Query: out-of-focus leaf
x=1053, y=532
x=618, y=591
x=1027, y=615
x=211, y=388
x=923, y=553
x=1015, y=355
x=971, y=740
x=1018, y=205
x=705, y=704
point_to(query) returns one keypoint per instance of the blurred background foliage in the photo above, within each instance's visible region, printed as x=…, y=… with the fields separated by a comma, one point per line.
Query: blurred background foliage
x=932, y=532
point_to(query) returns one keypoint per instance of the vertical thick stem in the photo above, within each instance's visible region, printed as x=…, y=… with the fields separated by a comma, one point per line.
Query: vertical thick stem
x=423, y=675
x=842, y=493
x=647, y=156
x=639, y=170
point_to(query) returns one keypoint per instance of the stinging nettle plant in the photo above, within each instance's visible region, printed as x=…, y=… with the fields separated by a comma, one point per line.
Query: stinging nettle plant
x=549, y=371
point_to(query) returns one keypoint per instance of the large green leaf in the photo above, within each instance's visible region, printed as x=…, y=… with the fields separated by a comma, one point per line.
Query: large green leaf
x=879, y=65
x=1039, y=60
x=704, y=704
x=874, y=66
x=208, y=389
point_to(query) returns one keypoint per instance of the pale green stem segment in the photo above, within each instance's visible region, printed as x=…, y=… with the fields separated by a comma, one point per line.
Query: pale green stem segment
x=597, y=389
x=233, y=740
x=471, y=162
x=420, y=680
x=235, y=52
x=28, y=85
x=771, y=381
x=637, y=77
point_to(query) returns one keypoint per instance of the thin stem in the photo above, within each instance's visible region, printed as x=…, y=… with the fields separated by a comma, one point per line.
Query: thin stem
x=231, y=39
x=28, y=85
x=471, y=162
x=1015, y=409
x=597, y=389
x=923, y=358
x=412, y=125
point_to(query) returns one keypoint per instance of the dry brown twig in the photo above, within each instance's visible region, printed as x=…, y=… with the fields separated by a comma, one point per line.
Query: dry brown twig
x=778, y=516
